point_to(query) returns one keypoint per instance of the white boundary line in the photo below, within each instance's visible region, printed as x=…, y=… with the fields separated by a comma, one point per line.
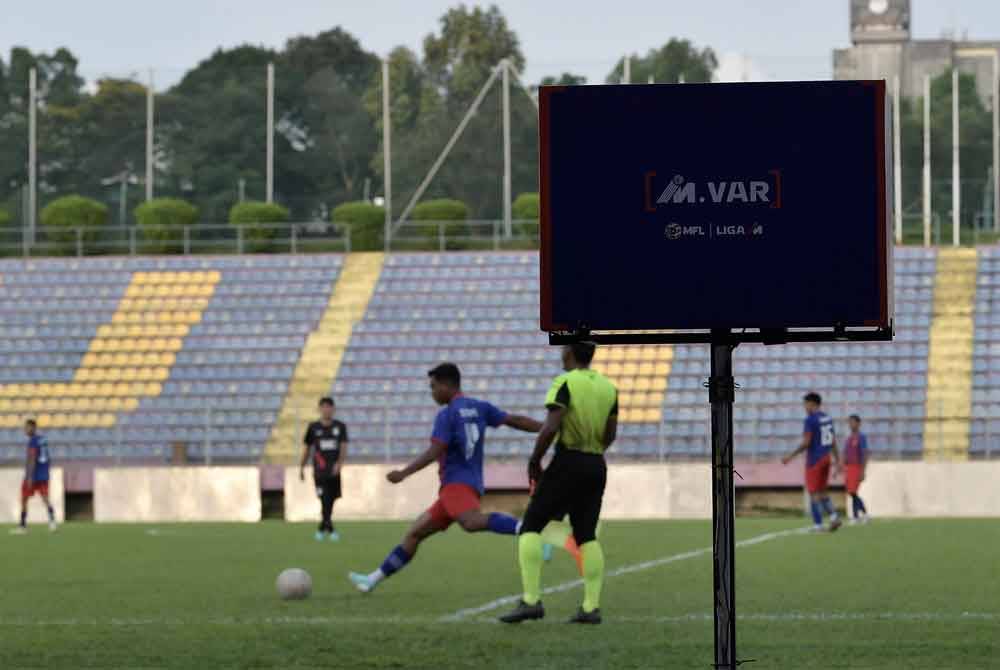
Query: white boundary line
x=699, y=617
x=618, y=572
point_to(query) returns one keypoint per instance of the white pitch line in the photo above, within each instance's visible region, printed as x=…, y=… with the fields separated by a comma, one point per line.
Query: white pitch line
x=624, y=570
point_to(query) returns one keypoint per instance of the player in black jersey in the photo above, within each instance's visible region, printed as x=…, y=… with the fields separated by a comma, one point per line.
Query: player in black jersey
x=326, y=443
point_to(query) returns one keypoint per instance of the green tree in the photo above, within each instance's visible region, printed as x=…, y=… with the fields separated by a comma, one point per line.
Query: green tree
x=565, y=79
x=676, y=58
x=443, y=215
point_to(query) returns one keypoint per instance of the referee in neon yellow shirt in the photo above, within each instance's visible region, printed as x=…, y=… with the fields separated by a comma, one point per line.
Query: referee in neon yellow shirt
x=583, y=420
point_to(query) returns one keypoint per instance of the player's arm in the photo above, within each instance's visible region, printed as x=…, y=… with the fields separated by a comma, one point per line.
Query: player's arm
x=806, y=440
x=29, y=466
x=343, y=453
x=523, y=423
x=553, y=422
x=432, y=455
x=306, y=453
x=611, y=427
x=835, y=455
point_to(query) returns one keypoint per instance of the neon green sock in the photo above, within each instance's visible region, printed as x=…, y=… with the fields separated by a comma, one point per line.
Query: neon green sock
x=529, y=554
x=556, y=533
x=593, y=575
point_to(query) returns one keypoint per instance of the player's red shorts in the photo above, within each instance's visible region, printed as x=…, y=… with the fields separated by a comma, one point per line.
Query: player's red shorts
x=453, y=501
x=852, y=477
x=28, y=490
x=818, y=475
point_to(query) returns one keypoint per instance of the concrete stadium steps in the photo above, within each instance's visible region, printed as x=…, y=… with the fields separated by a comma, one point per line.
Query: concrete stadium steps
x=949, y=375
x=322, y=353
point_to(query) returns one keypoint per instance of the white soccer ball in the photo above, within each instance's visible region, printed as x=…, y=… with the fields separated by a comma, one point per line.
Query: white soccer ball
x=294, y=584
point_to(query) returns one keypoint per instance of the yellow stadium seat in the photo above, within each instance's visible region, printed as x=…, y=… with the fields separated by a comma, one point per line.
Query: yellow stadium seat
x=129, y=374
x=130, y=404
x=626, y=383
x=631, y=369
x=659, y=384
x=122, y=389
x=58, y=421
x=661, y=369
x=160, y=374
x=105, y=389
x=153, y=390
x=644, y=384
x=88, y=420
x=614, y=369
x=106, y=420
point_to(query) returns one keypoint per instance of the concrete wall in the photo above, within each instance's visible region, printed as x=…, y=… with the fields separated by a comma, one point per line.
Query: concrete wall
x=633, y=492
x=366, y=494
x=177, y=494
x=920, y=489
x=10, y=497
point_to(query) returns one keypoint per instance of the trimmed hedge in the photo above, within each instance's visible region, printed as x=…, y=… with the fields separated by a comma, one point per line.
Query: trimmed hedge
x=4, y=217
x=525, y=206
x=365, y=221
x=64, y=214
x=444, y=209
x=162, y=221
x=253, y=216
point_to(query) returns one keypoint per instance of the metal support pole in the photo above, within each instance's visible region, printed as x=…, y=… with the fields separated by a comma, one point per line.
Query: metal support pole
x=149, y=137
x=79, y=242
x=927, y=161
x=721, y=394
x=208, y=435
x=294, y=239
x=187, y=240
x=386, y=153
x=32, y=212
x=897, y=183
x=956, y=183
x=507, y=196
x=473, y=108
x=627, y=70
x=996, y=140
x=270, y=132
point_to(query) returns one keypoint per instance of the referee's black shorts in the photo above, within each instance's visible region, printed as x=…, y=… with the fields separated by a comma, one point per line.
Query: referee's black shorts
x=572, y=484
x=328, y=487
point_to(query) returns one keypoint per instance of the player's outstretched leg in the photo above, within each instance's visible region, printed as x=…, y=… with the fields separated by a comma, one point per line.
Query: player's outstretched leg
x=560, y=534
x=22, y=527
x=403, y=553
x=817, y=514
x=529, y=556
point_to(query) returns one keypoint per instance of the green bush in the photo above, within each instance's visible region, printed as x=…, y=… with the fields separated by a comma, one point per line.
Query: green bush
x=455, y=212
x=61, y=216
x=525, y=206
x=255, y=217
x=162, y=221
x=4, y=217
x=365, y=221
x=525, y=209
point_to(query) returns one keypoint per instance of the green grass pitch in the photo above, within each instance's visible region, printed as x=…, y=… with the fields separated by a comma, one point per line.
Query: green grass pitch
x=894, y=594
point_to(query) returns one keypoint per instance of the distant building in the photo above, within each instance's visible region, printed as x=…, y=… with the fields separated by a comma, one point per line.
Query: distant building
x=882, y=48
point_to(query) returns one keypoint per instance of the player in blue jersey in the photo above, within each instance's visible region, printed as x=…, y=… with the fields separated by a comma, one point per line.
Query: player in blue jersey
x=819, y=441
x=457, y=446
x=36, y=475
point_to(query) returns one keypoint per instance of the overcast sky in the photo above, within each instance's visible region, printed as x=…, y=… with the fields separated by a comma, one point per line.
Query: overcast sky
x=769, y=39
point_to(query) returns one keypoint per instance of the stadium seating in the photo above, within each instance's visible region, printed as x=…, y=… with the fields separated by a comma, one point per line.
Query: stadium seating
x=122, y=358
x=144, y=353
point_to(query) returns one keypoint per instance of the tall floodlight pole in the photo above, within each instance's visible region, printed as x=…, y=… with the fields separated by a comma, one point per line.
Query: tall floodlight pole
x=32, y=154
x=507, y=195
x=627, y=70
x=897, y=184
x=149, y=137
x=927, y=160
x=386, y=152
x=270, y=133
x=995, y=86
x=956, y=185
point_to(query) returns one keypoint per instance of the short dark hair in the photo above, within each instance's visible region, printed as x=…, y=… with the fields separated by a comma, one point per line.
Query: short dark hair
x=32, y=423
x=326, y=400
x=583, y=352
x=813, y=397
x=446, y=372
x=855, y=417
